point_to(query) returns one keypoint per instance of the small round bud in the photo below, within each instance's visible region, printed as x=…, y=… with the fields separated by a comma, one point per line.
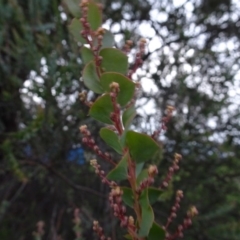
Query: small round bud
x=95, y=223
x=181, y=235
x=117, y=191
x=96, y=148
x=180, y=193
x=100, y=37
x=174, y=209
x=151, y=180
x=82, y=20
x=178, y=199
x=113, y=184
x=180, y=228
x=165, y=184
x=113, y=94
x=114, y=88
x=170, y=108
x=100, y=58
x=129, y=43
x=177, y=156
x=131, y=220
x=152, y=170
x=143, y=41
x=192, y=211
x=93, y=162
x=176, y=167
x=87, y=25
x=124, y=209
x=83, y=128
x=100, y=31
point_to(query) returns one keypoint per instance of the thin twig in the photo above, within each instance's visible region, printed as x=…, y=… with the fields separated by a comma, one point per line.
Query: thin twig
x=64, y=178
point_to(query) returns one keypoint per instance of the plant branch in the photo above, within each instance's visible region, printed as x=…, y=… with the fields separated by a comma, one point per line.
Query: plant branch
x=64, y=178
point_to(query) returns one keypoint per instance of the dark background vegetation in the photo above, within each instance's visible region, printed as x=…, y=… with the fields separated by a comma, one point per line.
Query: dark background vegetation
x=195, y=68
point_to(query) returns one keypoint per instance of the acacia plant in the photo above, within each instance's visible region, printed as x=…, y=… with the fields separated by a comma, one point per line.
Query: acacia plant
x=107, y=74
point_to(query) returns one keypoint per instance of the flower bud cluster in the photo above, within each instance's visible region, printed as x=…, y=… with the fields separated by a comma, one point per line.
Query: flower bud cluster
x=115, y=115
x=127, y=46
x=171, y=170
x=142, y=44
x=90, y=142
x=164, y=122
x=100, y=31
x=98, y=36
x=138, y=58
x=93, y=38
x=119, y=211
x=187, y=222
x=114, y=87
x=175, y=207
x=86, y=32
x=86, y=26
x=101, y=173
x=83, y=98
x=98, y=229
x=166, y=119
x=170, y=110
x=192, y=212
x=152, y=171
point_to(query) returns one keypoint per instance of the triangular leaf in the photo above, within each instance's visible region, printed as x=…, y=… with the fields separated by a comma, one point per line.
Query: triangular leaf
x=128, y=116
x=123, y=139
x=114, y=60
x=142, y=175
x=127, y=196
x=139, y=167
x=156, y=232
x=108, y=39
x=127, y=87
x=147, y=215
x=141, y=146
x=94, y=16
x=75, y=28
x=111, y=138
x=90, y=78
x=119, y=172
x=102, y=109
x=73, y=7
x=87, y=54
